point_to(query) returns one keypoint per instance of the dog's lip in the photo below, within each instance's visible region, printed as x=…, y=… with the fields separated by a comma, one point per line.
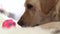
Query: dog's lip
x=29, y=26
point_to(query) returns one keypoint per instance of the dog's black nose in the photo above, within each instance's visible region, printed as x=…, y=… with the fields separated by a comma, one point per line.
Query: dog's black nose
x=21, y=23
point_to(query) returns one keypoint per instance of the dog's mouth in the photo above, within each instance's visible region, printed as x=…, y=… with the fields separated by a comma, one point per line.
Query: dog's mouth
x=22, y=24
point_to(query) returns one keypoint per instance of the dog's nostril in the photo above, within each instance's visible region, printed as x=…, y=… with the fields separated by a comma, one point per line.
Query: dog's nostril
x=21, y=23
x=29, y=6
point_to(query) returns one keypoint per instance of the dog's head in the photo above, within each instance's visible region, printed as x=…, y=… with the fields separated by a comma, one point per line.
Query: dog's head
x=37, y=12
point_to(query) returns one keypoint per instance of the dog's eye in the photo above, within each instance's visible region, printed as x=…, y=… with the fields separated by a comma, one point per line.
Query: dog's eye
x=29, y=6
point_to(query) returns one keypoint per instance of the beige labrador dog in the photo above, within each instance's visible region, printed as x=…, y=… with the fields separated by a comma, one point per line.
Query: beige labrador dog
x=45, y=13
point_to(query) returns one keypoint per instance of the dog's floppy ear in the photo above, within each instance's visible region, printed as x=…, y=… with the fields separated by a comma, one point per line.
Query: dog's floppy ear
x=47, y=5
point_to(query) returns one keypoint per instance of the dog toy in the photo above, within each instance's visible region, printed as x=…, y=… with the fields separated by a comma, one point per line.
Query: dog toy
x=8, y=24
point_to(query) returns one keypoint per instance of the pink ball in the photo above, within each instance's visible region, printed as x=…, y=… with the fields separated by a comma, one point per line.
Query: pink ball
x=8, y=24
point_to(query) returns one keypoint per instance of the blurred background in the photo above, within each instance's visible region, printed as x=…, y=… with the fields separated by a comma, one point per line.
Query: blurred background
x=12, y=8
